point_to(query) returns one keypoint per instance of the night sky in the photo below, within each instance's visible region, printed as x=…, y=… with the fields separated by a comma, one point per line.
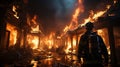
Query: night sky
x=54, y=15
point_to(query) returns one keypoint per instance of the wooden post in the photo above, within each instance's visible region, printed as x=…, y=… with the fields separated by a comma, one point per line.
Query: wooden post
x=71, y=38
x=2, y=27
x=112, y=45
x=8, y=39
x=39, y=41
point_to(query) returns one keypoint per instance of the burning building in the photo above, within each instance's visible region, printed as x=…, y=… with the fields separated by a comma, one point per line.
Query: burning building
x=14, y=23
x=21, y=29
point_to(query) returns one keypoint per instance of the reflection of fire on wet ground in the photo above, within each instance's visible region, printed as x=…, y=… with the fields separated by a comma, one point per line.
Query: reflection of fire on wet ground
x=50, y=59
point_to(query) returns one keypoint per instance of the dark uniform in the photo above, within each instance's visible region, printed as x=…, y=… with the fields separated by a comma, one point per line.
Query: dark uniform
x=92, y=48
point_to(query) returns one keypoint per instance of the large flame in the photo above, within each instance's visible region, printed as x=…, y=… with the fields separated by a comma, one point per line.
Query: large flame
x=74, y=21
x=13, y=34
x=73, y=25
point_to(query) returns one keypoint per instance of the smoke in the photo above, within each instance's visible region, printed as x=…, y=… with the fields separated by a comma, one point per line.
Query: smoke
x=53, y=14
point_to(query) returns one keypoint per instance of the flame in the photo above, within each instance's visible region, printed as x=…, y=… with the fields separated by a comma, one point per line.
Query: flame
x=14, y=10
x=74, y=21
x=74, y=45
x=50, y=40
x=33, y=41
x=68, y=46
x=115, y=1
x=74, y=41
x=13, y=34
x=67, y=50
x=94, y=16
x=34, y=25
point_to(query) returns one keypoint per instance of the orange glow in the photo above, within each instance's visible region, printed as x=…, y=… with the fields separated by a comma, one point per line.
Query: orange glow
x=14, y=10
x=33, y=41
x=47, y=42
x=13, y=34
x=103, y=33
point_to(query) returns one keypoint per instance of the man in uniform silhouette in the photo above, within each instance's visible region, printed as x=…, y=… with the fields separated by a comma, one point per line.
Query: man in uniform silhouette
x=92, y=48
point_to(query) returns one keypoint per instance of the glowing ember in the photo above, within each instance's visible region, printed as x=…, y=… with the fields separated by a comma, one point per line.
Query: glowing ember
x=13, y=34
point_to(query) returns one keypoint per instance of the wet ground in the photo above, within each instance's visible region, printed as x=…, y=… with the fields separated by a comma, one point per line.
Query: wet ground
x=51, y=59
x=46, y=59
